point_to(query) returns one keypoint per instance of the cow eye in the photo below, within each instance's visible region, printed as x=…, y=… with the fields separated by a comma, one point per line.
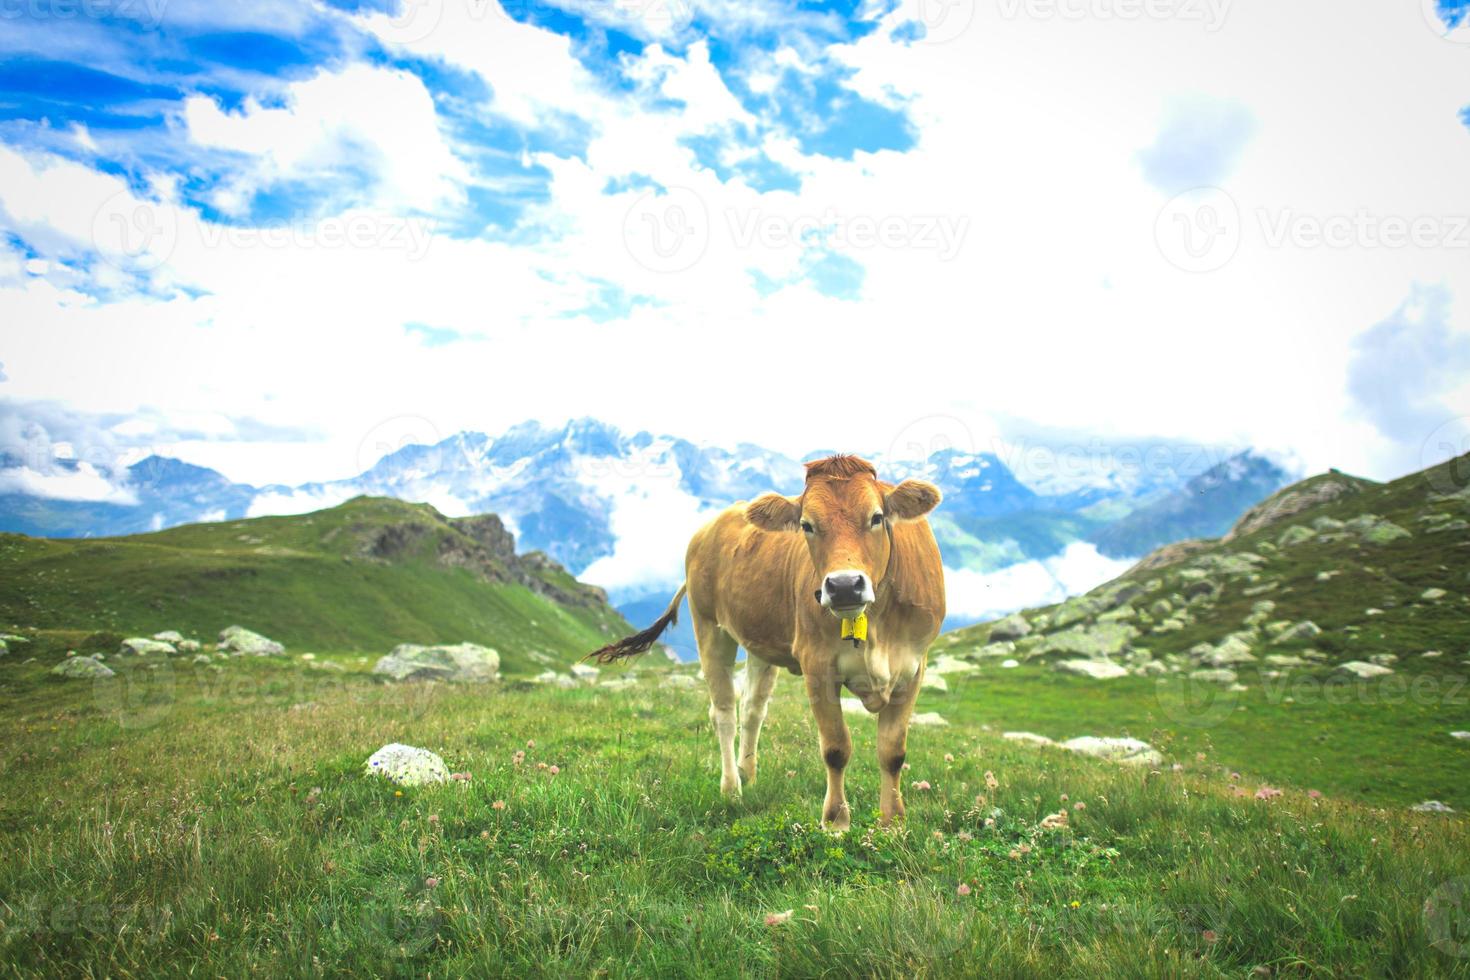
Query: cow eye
x=807, y=527
x=877, y=520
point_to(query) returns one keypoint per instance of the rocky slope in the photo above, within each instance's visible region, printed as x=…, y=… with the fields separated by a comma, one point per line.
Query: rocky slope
x=1331, y=575
x=361, y=577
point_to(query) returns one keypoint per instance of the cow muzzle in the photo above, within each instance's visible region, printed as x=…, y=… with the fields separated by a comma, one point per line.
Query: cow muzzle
x=845, y=592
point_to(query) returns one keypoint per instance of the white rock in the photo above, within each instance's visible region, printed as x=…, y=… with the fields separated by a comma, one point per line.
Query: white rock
x=1432, y=806
x=1431, y=654
x=1363, y=669
x=852, y=706
x=1433, y=595
x=405, y=765
x=81, y=667
x=585, y=672
x=683, y=682
x=925, y=718
x=951, y=665
x=169, y=636
x=1029, y=737
x=1460, y=735
x=1129, y=751
x=446, y=662
x=142, y=646
x=239, y=640
x=1008, y=664
x=1099, y=670
x=934, y=682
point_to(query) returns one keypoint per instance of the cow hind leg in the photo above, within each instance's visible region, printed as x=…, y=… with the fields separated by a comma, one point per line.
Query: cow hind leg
x=760, y=680
x=717, y=656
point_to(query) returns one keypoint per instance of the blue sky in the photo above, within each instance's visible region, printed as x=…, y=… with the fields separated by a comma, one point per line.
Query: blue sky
x=247, y=234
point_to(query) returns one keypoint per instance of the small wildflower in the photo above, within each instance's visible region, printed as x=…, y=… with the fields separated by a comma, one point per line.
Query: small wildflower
x=1209, y=936
x=519, y=757
x=531, y=743
x=962, y=890
x=540, y=765
x=1024, y=848
x=989, y=823
x=554, y=770
x=1267, y=793
x=1076, y=904
x=398, y=792
x=498, y=805
x=1235, y=777
x=484, y=835
x=906, y=766
x=790, y=773
x=1064, y=797
x=1054, y=821
x=463, y=777
x=1315, y=794
x=434, y=819
x=1015, y=855
x=990, y=781
x=431, y=882
x=779, y=918
x=949, y=757
x=939, y=835
x=922, y=784
x=965, y=835
x=1079, y=805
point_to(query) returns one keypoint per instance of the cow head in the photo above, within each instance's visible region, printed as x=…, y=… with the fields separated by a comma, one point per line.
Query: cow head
x=845, y=514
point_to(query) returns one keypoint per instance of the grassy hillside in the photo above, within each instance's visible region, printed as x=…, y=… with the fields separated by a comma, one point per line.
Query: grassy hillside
x=1235, y=647
x=235, y=834
x=360, y=577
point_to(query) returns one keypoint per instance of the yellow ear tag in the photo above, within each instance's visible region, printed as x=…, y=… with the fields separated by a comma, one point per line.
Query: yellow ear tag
x=855, y=629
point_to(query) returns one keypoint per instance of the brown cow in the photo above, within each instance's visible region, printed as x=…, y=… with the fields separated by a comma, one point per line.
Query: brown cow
x=798, y=581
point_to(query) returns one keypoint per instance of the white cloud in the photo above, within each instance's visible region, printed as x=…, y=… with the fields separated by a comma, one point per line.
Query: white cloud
x=976, y=595
x=84, y=483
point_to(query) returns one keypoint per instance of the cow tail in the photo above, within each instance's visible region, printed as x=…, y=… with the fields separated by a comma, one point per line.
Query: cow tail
x=642, y=641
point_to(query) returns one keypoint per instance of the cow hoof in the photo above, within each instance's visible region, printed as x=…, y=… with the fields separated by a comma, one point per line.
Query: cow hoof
x=838, y=821
x=730, y=790
x=747, y=772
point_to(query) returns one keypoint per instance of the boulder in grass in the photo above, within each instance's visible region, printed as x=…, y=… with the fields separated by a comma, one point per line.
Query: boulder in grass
x=187, y=646
x=585, y=673
x=1364, y=669
x=169, y=636
x=458, y=662
x=926, y=718
x=404, y=765
x=1031, y=738
x=1432, y=806
x=1013, y=627
x=1098, y=670
x=1127, y=751
x=82, y=667
x=934, y=682
x=238, y=641
x=142, y=646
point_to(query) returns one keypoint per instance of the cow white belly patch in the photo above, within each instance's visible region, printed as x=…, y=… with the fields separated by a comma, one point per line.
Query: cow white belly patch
x=874, y=676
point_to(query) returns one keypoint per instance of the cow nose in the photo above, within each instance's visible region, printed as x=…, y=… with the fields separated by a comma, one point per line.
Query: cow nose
x=845, y=588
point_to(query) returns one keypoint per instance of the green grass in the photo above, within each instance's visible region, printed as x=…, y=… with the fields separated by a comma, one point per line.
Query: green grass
x=311, y=581
x=221, y=826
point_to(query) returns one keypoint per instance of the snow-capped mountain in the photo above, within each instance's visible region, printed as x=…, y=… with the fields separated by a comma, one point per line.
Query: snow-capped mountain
x=617, y=510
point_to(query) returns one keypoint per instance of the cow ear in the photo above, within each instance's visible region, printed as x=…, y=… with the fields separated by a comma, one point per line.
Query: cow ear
x=911, y=500
x=773, y=512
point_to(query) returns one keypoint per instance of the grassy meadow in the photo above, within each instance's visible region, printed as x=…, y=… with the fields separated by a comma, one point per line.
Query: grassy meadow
x=187, y=820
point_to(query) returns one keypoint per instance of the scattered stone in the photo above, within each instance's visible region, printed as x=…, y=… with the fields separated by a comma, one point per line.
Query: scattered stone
x=1431, y=654
x=1219, y=675
x=1128, y=751
x=1464, y=736
x=1096, y=642
x=1285, y=660
x=1262, y=589
x=1098, y=670
x=1295, y=535
x=1384, y=532
x=238, y=641
x=946, y=664
x=82, y=667
x=852, y=706
x=1433, y=594
x=618, y=683
x=682, y=682
x=449, y=662
x=934, y=682
x=187, y=646
x=203, y=658
x=1328, y=524
x=585, y=672
x=925, y=718
x=1237, y=688
x=1260, y=613
x=1373, y=612
x=1384, y=659
x=1013, y=627
x=169, y=636
x=1304, y=630
x=1150, y=667
x=1328, y=575
x=1234, y=649
x=1008, y=664
x=1432, y=806
x=142, y=646
x=1003, y=649
x=1363, y=669
x=1031, y=738
x=1160, y=608
x=405, y=765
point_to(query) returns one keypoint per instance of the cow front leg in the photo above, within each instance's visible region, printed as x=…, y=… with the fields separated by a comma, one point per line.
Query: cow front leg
x=824, y=693
x=893, y=737
x=717, y=656
x=760, y=680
